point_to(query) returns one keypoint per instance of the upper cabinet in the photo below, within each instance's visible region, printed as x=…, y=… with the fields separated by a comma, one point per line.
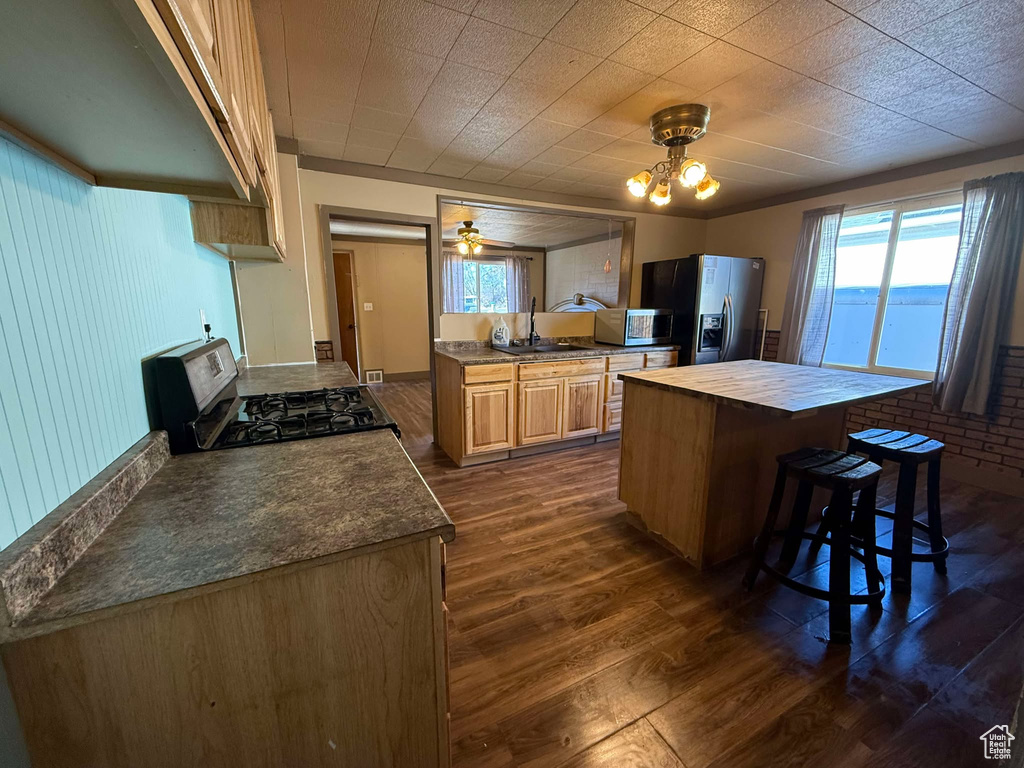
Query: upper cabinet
x=164, y=95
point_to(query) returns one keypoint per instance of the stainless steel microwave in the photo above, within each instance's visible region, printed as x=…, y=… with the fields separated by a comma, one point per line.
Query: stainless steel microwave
x=627, y=327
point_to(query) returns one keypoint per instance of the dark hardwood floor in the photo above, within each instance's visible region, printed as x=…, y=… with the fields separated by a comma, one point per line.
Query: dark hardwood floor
x=577, y=642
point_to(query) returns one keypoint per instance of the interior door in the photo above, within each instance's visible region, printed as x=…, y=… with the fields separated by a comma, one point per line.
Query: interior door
x=745, y=279
x=346, y=309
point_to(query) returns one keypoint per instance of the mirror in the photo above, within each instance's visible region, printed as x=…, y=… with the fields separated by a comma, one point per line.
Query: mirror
x=496, y=258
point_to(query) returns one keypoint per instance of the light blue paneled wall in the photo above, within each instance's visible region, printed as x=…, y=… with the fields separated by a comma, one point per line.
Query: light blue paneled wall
x=92, y=280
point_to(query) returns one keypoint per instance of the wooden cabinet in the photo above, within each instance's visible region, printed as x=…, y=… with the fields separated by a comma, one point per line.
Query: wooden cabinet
x=612, y=416
x=660, y=359
x=581, y=405
x=490, y=414
x=540, y=411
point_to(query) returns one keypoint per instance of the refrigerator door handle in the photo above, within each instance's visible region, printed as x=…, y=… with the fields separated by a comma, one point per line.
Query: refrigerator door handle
x=723, y=345
x=729, y=323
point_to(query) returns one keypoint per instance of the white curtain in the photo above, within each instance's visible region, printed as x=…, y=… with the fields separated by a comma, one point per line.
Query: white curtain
x=811, y=285
x=517, y=283
x=980, y=300
x=453, y=293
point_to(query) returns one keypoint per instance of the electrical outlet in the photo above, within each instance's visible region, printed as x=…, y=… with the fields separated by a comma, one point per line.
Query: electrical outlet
x=367, y=306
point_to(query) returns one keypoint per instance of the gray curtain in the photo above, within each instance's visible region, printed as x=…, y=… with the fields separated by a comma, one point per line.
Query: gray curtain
x=517, y=283
x=453, y=293
x=980, y=300
x=811, y=285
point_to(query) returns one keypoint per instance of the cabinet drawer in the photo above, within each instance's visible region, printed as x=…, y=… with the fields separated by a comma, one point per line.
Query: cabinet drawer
x=613, y=387
x=625, y=362
x=661, y=359
x=483, y=374
x=612, y=417
x=560, y=368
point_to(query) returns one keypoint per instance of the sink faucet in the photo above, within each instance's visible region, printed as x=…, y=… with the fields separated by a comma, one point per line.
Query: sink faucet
x=534, y=338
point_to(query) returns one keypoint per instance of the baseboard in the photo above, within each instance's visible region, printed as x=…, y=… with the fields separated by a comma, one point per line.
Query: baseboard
x=985, y=478
x=407, y=376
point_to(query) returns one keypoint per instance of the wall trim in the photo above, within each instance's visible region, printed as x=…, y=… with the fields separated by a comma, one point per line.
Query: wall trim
x=407, y=376
x=421, y=242
x=586, y=241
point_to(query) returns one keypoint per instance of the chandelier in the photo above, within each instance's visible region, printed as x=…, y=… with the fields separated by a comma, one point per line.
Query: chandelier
x=674, y=128
x=469, y=239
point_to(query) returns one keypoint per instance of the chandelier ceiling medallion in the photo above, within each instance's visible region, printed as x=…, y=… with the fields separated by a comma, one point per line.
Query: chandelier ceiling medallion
x=675, y=127
x=469, y=239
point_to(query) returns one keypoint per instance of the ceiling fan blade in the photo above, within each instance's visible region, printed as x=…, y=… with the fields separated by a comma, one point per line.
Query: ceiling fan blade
x=498, y=243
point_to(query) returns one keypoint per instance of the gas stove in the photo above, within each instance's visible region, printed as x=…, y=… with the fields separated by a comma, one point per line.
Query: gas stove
x=201, y=409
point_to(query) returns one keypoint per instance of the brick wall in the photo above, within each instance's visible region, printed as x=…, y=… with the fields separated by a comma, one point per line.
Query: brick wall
x=993, y=443
x=324, y=351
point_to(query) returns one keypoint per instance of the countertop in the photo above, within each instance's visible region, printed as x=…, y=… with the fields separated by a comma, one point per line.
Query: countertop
x=207, y=517
x=264, y=379
x=485, y=354
x=776, y=388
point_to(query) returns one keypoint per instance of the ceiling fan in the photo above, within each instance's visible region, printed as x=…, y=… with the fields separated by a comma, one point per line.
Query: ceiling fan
x=469, y=241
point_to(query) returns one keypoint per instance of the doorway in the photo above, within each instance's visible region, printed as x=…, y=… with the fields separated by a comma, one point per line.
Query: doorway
x=344, y=287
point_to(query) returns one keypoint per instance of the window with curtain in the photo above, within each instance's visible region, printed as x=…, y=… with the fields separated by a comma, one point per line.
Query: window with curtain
x=485, y=284
x=893, y=268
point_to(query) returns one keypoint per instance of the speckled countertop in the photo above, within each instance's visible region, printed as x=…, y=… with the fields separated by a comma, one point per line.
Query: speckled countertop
x=207, y=517
x=262, y=379
x=482, y=353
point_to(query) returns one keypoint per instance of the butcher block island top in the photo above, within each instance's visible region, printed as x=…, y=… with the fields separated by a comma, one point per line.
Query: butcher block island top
x=699, y=444
x=776, y=388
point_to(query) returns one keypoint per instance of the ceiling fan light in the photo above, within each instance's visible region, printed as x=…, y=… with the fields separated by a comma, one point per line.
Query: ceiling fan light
x=661, y=195
x=462, y=247
x=706, y=188
x=477, y=247
x=637, y=185
x=692, y=172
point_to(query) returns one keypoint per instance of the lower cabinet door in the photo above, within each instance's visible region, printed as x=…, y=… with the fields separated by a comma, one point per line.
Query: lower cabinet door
x=613, y=417
x=540, y=411
x=581, y=405
x=490, y=419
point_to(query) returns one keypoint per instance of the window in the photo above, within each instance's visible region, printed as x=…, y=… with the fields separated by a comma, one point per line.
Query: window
x=893, y=267
x=485, y=286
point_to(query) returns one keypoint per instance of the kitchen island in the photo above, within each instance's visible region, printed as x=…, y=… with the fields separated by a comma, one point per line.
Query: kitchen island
x=699, y=444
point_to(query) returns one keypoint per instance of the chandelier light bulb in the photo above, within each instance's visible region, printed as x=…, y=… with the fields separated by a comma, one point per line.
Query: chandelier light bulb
x=692, y=172
x=637, y=185
x=662, y=195
x=706, y=188
x=477, y=247
x=463, y=247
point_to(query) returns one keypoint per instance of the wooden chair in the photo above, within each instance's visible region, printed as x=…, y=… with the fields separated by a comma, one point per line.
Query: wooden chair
x=909, y=451
x=844, y=474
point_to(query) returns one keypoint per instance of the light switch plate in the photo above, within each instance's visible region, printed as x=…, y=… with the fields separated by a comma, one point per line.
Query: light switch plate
x=367, y=306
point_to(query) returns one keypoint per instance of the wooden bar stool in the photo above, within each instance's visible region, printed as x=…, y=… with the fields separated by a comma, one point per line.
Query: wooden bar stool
x=844, y=474
x=909, y=451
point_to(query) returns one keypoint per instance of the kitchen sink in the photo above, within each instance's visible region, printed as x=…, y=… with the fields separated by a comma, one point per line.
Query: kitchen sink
x=529, y=350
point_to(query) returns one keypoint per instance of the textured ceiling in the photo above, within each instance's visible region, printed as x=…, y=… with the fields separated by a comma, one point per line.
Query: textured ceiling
x=554, y=95
x=542, y=230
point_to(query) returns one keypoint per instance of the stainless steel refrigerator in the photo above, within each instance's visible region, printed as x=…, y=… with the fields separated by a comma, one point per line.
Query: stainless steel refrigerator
x=714, y=301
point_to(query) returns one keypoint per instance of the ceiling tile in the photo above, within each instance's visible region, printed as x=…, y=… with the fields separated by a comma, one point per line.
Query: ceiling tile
x=600, y=26
x=367, y=155
x=379, y=119
x=712, y=66
x=487, y=173
x=754, y=88
x=491, y=47
x=413, y=155
x=466, y=6
x=634, y=113
x=660, y=46
x=552, y=185
x=556, y=64
x=418, y=26
x=535, y=17
x=323, y=74
x=985, y=31
x=364, y=137
x=446, y=166
x=785, y=24
x=634, y=151
x=571, y=173
x=831, y=46
x=270, y=32
x=559, y=155
x=715, y=16
x=538, y=168
x=316, y=148
x=396, y=80
x=1004, y=79
x=586, y=141
x=317, y=130
x=607, y=85
x=658, y=6
x=895, y=17
x=872, y=70
x=521, y=179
